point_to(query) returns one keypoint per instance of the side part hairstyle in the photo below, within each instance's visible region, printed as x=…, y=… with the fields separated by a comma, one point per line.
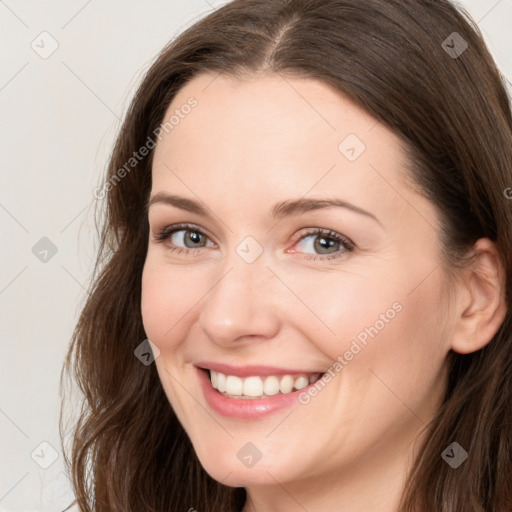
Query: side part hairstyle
x=128, y=452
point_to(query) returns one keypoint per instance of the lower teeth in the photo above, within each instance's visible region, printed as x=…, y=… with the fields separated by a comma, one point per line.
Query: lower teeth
x=244, y=397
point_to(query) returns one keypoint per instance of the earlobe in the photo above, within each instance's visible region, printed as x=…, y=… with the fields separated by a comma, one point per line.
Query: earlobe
x=482, y=299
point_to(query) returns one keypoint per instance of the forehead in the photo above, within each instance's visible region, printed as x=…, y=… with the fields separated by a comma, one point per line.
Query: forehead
x=274, y=137
x=274, y=112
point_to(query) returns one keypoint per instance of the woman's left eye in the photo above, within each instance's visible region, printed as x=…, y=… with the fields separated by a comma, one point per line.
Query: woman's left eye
x=324, y=244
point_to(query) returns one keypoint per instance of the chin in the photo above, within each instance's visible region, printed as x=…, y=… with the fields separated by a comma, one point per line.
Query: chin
x=235, y=475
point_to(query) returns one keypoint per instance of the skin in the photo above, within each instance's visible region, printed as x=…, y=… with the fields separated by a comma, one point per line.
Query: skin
x=248, y=145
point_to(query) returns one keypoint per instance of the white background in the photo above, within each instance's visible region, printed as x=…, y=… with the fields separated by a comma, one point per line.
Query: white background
x=58, y=120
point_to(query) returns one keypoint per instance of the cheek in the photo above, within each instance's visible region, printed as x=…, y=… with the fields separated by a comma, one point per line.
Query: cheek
x=378, y=322
x=168, y=297
x=387, y=351
x=344, y=307
x=395, y=356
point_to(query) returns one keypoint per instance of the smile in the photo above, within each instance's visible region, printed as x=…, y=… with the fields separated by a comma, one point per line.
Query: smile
x=253, y=387
x=252, y=392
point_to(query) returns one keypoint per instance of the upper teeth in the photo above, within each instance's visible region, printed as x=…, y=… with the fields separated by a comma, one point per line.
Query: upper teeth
x=260, y=386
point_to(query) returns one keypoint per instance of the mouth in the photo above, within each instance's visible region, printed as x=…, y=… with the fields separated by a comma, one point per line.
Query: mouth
x=259, y=386
x=252, y=393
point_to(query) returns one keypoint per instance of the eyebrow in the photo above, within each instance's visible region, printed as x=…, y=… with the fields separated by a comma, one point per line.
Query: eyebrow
x=278, y=212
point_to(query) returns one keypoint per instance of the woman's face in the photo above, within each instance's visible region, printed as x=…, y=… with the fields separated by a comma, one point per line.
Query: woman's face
x=271, y=284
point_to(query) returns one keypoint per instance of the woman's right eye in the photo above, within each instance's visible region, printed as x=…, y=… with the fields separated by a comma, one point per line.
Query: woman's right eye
x=184, y=237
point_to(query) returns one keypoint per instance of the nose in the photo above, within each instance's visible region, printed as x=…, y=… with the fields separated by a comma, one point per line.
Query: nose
x=241, y=304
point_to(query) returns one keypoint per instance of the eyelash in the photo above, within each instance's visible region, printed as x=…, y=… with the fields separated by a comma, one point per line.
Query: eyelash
x=166, y=232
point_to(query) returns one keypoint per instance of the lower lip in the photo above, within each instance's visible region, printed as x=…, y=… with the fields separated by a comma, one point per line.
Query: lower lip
x=246, y=409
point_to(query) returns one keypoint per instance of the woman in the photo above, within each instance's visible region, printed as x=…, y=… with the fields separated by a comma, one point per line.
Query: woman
x=304, y=287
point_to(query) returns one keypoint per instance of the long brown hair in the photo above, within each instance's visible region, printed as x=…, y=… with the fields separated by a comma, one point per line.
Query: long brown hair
x=406, y=63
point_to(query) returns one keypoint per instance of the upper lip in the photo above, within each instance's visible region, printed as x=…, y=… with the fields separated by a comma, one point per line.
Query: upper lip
x=251, y=370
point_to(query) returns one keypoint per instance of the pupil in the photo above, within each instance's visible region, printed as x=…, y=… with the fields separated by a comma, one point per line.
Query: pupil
x=324, y=244
x=193, y=236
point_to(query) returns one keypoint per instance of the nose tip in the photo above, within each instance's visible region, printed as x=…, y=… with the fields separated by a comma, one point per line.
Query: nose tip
x=240, y=305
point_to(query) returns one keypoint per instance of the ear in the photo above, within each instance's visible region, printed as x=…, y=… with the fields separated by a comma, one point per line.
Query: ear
x=481, y=305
